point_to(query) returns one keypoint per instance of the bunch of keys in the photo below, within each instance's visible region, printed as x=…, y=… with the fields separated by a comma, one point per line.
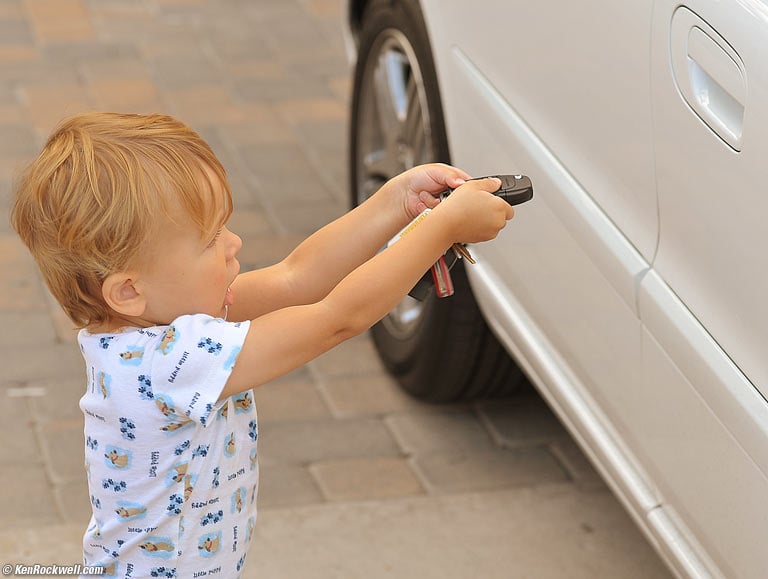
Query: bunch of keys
x=515, y=189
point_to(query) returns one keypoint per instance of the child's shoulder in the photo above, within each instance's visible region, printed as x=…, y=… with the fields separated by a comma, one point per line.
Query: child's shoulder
x=190, y=332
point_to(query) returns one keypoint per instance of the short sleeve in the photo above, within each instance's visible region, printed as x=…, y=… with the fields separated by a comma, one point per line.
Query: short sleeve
x=192, y=360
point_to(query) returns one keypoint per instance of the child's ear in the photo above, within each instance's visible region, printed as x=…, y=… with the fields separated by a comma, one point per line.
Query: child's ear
x=121, y=295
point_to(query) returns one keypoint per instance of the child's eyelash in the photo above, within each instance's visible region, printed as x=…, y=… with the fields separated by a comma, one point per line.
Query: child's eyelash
x=215, y=238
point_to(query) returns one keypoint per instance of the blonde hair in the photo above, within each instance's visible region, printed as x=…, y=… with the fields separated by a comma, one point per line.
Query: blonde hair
x=89, y=204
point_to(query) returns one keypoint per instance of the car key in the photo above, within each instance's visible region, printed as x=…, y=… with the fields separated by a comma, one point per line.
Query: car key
x=514, y=189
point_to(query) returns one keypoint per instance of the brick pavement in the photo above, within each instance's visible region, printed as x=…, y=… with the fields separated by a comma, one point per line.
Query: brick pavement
x=266, y=83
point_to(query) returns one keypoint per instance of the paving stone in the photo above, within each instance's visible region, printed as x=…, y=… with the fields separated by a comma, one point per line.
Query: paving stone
x=15, y=32
x=257, y=89
x=289, y=400
x=356, y=356
x=316, y=440
x=476, y=469
x=12, y=9
x=44, y=361
x=18, y=443
x=368, y=395
x=261, y=125
x=521, y=421
x=73, y=502
x=20, y=287
x=308, y=217
x=577, y=465
x=211, y=104
x=60, y=20
x=127, y=95
x=88, y=51
x=249, y=223
x=24, y=543
x=48, y=102
x=27, y=496
x=263, y=251
x=66, y=331
x=64, y=446
x=366, y=479
x=449, y=430
x=57, y=400
x=17, y=140
x=38, y=327
x=270, y=163
x=286, y=485
x=186, y=69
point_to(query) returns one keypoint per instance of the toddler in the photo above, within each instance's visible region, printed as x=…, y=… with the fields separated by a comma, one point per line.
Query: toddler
x=126, y=216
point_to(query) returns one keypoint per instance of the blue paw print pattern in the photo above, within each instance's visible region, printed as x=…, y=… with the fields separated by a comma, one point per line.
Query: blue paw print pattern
x=216, y=473
x=211, y=518
x=127, y=428
x=115, y=553
x=253, y=430
x=179, y=450
x=162, y=547
x=95, y=501
x=145, y=388
x=210, y=346
x=204, y=417
x=118, y=486
x=91, y=443
x=167, y=572
x=175, y=501
x=240, y=563
x=201, y=450
x=105, y=341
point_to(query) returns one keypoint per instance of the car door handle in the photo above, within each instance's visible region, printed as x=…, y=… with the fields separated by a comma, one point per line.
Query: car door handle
x=710, y=75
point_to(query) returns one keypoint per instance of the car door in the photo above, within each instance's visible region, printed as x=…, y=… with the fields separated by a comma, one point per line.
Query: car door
x=561, y=92
x=704, y=304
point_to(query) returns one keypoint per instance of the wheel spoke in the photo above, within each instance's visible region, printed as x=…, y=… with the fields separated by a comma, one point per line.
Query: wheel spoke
x=393, y=134
x=389, y=99
x=413, y=122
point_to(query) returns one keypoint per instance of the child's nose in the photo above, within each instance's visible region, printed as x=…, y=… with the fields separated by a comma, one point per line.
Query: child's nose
x=235, y=244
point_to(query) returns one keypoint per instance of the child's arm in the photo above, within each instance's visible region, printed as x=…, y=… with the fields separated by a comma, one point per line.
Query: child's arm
x=322, y=260
x=283, y=340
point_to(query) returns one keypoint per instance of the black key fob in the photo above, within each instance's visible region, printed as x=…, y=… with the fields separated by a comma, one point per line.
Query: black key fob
x=515, y=189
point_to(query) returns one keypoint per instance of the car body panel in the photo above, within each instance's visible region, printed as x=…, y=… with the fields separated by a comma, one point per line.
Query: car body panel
x=712, y=249
x=631, y=288
x=590, y=105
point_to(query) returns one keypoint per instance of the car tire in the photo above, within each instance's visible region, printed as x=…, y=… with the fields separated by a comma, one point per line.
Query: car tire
x=439, y=350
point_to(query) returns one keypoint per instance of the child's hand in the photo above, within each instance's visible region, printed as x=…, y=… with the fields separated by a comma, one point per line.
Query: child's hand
x=475, y=213
x=421, y=185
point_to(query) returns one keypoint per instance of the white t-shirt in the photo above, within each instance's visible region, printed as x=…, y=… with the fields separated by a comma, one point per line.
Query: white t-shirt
x=173, y=475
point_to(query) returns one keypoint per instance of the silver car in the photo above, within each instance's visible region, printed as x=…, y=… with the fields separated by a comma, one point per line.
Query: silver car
x=633, y=290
